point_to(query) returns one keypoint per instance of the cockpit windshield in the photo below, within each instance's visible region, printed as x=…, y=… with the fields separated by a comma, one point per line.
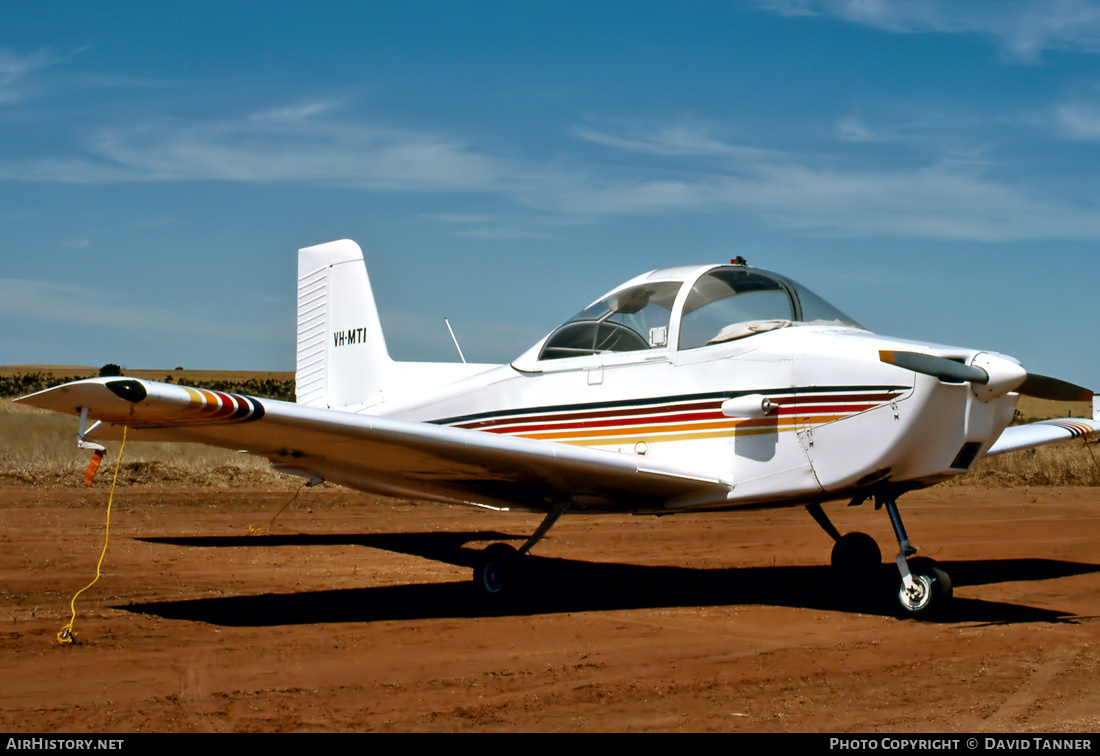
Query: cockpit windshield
x=724, y=303
x=732, y=303
x=629, y=320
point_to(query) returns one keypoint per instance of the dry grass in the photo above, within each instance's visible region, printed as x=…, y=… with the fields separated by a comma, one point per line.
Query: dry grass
x=1073, y=463
x=1069, y=464
x=39, y=448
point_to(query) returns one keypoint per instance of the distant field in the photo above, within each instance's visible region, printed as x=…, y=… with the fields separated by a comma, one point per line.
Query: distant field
x=1030, y=409
x=152, y=374
x=20, y=380
x=38, y=447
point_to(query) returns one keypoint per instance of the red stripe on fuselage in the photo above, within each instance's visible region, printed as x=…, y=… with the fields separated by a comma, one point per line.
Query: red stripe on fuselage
x=673, y=413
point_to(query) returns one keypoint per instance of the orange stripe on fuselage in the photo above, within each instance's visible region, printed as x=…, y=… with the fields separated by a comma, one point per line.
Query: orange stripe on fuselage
x=728, y=427
x=677, y=420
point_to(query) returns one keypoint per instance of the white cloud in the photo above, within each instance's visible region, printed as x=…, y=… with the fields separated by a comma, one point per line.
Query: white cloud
x=495, y=225
x=942, y=199
x=1024, y=29
x=91, y=309
x=1079, y=120
x=297, y=112
x=854, y=129
x=674, y=169
x=22, y=77
x=671, y=141
x=16, y=68
x=279, y=146
x=789, y=7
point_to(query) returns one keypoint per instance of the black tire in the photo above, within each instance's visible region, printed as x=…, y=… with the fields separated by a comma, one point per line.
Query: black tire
x=856, y=555
x=495, y=570
x=932, y=594
x=926, y=566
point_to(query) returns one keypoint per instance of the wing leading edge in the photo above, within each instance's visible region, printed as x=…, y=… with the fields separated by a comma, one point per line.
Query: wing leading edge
x=385, y=455
x=1020, y=437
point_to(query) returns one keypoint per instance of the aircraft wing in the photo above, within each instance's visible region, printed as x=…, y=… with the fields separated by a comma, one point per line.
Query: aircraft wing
x=1019, y=437
x=384, y=455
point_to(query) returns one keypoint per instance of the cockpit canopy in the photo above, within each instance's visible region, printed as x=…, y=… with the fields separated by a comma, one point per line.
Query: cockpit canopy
x=628, y=320
x=707, y=306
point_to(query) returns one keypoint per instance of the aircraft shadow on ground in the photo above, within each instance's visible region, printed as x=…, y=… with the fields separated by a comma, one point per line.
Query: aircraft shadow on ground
x=548, y=586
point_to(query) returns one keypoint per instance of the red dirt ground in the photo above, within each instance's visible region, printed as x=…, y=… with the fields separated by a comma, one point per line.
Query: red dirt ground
x=356, y=614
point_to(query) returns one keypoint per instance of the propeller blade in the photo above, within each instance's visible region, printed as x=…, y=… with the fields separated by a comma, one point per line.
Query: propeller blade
x=1039, y=386
x=1044, y=387
x=937, y=367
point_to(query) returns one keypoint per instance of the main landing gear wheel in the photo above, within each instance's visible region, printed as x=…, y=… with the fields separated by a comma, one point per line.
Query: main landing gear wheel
x=855, y=555
x=857, y=568
x=495, y=570
x=498, y=568
x=856, y=559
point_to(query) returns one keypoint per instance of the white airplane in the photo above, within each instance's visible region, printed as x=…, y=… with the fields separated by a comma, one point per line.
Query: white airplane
x=713, y=387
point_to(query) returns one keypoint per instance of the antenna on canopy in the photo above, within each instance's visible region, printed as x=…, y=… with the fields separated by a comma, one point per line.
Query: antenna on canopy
x=460, y=355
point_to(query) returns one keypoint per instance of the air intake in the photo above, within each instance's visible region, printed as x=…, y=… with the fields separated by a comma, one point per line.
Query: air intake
x=965, y=458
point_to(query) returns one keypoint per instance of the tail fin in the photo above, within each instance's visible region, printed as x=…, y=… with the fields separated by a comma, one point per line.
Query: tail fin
x=342, y=355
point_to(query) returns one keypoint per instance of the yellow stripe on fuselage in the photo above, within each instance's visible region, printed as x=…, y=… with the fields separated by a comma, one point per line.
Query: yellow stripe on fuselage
x=689, y=432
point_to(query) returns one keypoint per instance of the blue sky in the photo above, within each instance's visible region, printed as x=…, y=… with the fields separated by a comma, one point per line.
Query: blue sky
x=929, y=167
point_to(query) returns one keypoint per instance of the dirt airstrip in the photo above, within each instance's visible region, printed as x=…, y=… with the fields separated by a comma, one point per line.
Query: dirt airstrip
x=356, y=614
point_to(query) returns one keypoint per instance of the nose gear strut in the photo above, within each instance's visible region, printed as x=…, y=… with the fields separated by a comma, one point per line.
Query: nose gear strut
x=925, y=588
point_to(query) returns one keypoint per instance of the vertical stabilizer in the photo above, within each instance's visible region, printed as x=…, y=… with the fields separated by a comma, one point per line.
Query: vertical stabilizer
x=342, y=357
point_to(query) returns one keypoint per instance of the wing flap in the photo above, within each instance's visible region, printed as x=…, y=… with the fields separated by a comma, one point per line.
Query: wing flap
x=386, y=455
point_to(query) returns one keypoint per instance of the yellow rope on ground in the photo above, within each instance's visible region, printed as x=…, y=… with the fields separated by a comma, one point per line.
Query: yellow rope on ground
x=1091, y=454
x=255, y=529
x=67, y=635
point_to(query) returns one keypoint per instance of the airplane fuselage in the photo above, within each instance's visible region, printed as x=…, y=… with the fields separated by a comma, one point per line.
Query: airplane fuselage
x=840, y=420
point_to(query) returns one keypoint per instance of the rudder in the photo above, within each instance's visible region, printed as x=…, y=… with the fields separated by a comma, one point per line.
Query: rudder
x=342, y=359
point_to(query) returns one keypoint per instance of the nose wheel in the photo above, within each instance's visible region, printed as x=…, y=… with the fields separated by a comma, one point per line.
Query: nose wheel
x=925, y=589
x=928, y=591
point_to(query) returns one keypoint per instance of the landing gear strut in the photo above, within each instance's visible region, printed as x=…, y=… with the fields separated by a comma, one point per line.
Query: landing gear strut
x=496, y=568
x=925, y=588
x=855, y=555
